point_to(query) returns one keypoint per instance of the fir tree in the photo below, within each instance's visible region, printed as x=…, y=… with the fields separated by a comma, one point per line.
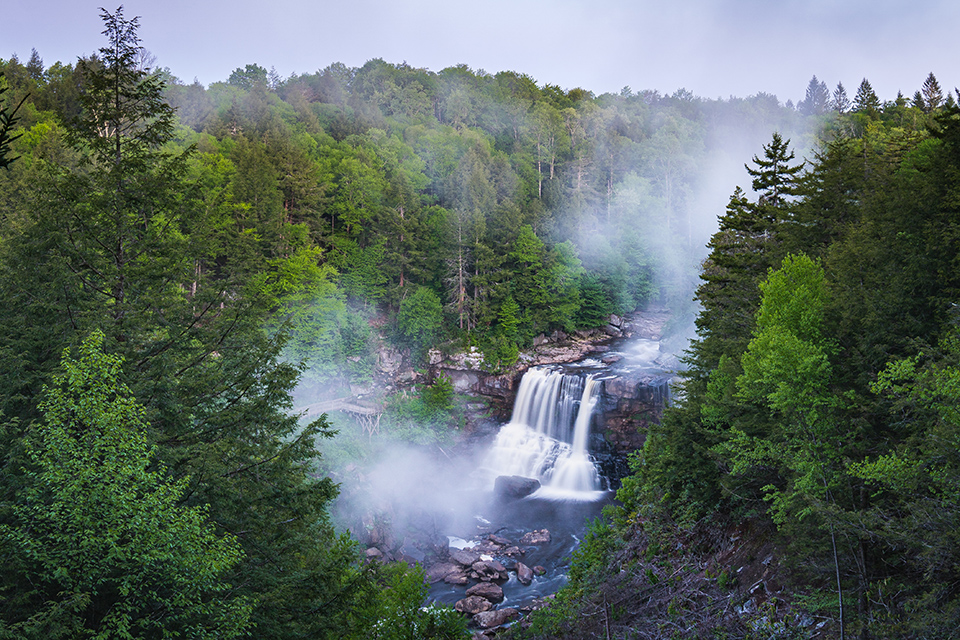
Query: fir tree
x=841, y=103
x=817, y=98
x=932, y=94
x=866, y=100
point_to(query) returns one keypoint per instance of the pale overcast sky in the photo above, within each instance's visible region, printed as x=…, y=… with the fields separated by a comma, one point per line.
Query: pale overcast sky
x=713, y=48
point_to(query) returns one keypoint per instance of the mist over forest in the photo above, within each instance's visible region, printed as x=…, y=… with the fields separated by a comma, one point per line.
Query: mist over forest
x=189, y=273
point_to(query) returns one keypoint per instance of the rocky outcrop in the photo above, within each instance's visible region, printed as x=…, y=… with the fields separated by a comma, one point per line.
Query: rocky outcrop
x=515, y=487
x=627, y=405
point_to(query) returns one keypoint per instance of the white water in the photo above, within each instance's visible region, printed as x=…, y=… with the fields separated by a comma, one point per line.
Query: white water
x=546, y=437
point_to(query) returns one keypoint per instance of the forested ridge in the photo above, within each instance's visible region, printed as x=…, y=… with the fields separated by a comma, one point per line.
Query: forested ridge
x=805, y=482
x=175, y=259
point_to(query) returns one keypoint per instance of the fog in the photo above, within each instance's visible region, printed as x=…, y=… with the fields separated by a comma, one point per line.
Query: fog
x=714, y=49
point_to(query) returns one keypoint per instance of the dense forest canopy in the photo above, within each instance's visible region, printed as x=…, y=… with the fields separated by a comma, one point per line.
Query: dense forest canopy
x=175, y=258
x=353, y=188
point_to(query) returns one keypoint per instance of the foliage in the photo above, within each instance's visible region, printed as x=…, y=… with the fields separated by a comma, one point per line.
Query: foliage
x=420, y=317
x=426, y=417
x=400, y=612
x=98, y=545
x=8, y=119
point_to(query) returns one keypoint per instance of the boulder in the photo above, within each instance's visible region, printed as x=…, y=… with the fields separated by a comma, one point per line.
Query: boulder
x=515, y=487
x=539, y=570
x=538, y=536
x=464, y=557
x=472, y=605
x=495, y=618
x=500, y=540
x=489, y=570
x=488, y=590
x=524, y=574
x=457, y=577
x=437, y=572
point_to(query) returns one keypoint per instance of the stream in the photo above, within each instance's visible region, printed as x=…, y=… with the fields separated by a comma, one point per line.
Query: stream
x=547, y=439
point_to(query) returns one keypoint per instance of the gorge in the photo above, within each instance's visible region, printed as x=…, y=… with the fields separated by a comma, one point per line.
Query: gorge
x=563, y=428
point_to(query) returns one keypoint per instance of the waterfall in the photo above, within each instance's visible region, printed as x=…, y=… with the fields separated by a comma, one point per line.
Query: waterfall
x=546, y=437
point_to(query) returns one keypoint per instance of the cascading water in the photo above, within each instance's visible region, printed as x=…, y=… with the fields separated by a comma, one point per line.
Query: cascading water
x=546, y=437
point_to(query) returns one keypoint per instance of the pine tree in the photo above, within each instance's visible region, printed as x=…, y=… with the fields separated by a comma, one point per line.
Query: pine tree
x=841, y=103
x=932, y=94
x=774, y=177
x=123, y=245
x=866, y=100
x=817, y=98
x=8, y=119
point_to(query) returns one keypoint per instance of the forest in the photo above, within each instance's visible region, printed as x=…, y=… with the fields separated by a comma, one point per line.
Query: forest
x=176, y=260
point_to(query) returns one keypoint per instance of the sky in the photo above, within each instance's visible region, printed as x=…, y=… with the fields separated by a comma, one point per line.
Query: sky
x=712, y=48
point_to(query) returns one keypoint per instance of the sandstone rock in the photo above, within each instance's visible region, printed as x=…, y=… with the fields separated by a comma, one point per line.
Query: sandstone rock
x=457, y=577
x=372, y=553
x=500, y=540
x=491, y=570
x=539, y=570
x=464, y=557
x=472, y=605
x=524, y=574
x=406, y=376
x=489, y=619
x=389, y=360
x=515, y=487
x=538, y=536
x=437, y=572
x=488, y=590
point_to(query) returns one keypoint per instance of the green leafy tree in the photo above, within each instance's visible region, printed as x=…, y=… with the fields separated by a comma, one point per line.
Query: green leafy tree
x=99, y=544
x=400, y=613
x=420, y=318
x=123, y=243
x=787, y=368
x=920, y=521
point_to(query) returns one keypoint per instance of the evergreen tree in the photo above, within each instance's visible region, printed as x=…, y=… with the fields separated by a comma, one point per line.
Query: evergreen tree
x=123, y=244
x=817, y=99
x=866, y=101
x=774, y=177
x=841, y=103
x=932, y=94
x=8, y=119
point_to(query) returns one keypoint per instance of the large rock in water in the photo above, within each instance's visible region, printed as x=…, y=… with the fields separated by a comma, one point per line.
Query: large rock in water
x=524, y=574
x=515, y=487
x=472, y=605
x=488, y=590
x=439, y=571
x=537, y=536
x=464, y=557
x=488, y=619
